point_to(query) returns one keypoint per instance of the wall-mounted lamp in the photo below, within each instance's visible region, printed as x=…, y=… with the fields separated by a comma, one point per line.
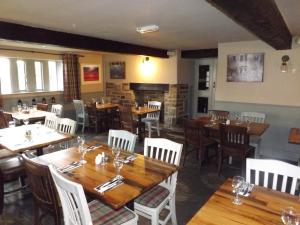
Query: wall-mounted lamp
x=147, y=66
x=146, y=60
x=284, y=66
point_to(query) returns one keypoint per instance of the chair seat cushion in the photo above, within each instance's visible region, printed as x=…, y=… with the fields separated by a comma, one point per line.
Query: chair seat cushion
x=104, y=215
x=153, y=197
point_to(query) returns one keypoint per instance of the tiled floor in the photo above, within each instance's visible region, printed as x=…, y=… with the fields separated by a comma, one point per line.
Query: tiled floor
x=194, y=188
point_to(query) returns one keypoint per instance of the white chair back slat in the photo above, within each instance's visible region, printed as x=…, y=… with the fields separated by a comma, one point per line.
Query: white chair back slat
x=66, y=126
x=154, y=105
x=290, y=173
x=51, y=121
x=164, y=147
x=73, y=200
x=253, y=117
x=122, y=139
x=57, y=109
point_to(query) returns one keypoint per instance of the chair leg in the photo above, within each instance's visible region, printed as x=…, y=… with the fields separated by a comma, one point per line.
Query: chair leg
x=155, y=219
x=149, y=129
x=173, y=210
x=157, y=128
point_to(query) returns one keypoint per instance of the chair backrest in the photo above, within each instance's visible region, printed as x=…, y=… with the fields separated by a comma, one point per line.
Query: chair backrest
x=57, y=109
x=42, y=186
x=51, y=121
x=219, y=114
x=194, y=132
x=66, y=126
x=276, y=174
x=234, y=136
x=126, y=118
x=122, y=139
x=3, y=122
x=167, y=151
x=42, y=106
x=253, y=117
x=73, y=200
x=79, y=107
x=154, y=105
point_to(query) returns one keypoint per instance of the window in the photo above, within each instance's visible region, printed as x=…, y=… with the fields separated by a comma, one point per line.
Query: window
x=21, y=75
x=38, y=75
x=5, y=76
x=55, y=76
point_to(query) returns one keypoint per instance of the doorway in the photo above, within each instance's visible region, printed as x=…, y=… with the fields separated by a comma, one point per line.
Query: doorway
x=204, y=88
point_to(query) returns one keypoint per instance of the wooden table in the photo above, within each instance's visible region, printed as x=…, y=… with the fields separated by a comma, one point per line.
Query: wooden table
x=32, y=115
x=140, y=175
x=294, y=136
x=254, y=128
x=263, y=206
x=106, y=106
x=14, y=138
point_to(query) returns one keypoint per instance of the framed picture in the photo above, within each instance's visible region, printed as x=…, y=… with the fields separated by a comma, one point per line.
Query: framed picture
x=117, y=70
x=90, y=74
x=247, y=67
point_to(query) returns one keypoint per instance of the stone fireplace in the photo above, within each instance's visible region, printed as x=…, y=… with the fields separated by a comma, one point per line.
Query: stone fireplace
x=173, y=97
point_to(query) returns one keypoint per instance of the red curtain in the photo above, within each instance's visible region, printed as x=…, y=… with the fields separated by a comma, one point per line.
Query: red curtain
x=71, y=77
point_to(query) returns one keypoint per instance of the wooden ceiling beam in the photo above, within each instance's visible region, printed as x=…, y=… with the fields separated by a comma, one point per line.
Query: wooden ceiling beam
x=261, y=17
x=200, y=53
x=18, y=32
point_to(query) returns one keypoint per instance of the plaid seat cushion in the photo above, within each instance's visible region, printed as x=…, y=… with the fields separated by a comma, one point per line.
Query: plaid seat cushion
x=153, y=197
x=104, y=215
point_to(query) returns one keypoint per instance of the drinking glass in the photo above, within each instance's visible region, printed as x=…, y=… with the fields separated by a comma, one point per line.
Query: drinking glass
x=82, y=149
x=116, y=152
x=288, y=216
x=237, y=185
x=26, y=121
x=118, y=164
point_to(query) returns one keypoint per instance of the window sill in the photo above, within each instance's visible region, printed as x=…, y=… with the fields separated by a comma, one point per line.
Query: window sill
x=32, y=94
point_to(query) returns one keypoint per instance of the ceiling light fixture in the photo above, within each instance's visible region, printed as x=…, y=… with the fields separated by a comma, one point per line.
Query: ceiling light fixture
x=147, y=29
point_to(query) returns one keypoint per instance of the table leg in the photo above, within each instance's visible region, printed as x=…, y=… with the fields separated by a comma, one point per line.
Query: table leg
x=39, y=151
x=139, y=128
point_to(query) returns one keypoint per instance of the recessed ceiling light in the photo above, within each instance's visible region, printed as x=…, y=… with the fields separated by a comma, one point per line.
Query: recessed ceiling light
x=147, y=29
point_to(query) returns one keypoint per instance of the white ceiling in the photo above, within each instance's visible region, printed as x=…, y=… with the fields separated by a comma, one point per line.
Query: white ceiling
x=184, y=24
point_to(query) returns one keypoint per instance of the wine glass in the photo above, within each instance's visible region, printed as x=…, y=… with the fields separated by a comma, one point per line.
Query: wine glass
x=82, y=149
x=237, y=185
x=288, y=216
x=26, y=121
x=118, y=164
x=116, y=152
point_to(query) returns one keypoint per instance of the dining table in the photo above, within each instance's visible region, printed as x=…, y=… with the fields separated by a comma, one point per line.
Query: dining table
x=253, y=128
x=30, y=137
x=139, y=175
x=262, y=207
x=33, y=115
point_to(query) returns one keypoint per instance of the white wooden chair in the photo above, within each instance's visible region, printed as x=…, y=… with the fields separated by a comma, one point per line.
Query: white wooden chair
x=162, y=196
x=276, y=168
x=81, y=115
x=57, y=109
x=122, y=139
x=66, y=126
x=152, y=119
x=77, y=211
x=256, y=118
x=51, y=121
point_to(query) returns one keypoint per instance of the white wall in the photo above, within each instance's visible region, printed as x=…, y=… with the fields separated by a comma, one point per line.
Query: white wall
x=277, y=88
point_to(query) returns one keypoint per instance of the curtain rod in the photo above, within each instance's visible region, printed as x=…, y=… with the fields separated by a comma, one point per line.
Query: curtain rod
x=19, y=50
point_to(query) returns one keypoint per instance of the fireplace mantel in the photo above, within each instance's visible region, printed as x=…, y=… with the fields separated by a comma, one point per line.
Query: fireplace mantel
x=148, y=87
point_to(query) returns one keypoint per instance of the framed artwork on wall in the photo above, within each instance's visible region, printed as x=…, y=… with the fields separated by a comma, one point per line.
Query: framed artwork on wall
x=117, y=70
x=90, y=74
x=245, y=67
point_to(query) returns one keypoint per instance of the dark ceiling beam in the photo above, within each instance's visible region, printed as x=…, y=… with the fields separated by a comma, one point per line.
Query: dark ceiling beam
x=18, y=32
x=261, y=17
x=200, y=53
